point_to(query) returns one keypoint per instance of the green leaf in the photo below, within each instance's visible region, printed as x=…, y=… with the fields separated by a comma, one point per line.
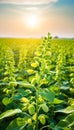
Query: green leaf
x=70, y=118
x=23, y=92
x=29, y=127
x=42, y=119
x=6, y=101
x=67, y=122
x=25, y=85
x=31, y=109
x=9, y=113
x=17, y=96
x=45, y=107
x=63, y=123
x=47, y=95
x=17, y=124
x=71, y=125
x=57, y=101
x=67, y=110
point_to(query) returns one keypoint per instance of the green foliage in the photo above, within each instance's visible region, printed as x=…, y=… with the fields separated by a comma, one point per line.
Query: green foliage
x=68, y=110
x=6, y=101
x=48, y=95
x=9, y=113
x=17, y=124
x=68, y=122
x=37, y=84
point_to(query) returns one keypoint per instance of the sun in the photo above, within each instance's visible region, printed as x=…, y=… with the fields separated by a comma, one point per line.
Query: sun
x=32, y=21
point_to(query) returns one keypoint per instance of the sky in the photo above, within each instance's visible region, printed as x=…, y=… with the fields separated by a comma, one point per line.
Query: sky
x=35, y=18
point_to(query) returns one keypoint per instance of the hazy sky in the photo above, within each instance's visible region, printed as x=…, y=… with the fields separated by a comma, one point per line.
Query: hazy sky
x=35, y=18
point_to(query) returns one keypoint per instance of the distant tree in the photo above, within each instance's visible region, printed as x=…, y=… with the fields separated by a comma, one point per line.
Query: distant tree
x=56, y=37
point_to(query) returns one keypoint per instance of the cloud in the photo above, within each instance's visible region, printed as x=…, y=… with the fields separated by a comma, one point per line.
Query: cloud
x=27, y=2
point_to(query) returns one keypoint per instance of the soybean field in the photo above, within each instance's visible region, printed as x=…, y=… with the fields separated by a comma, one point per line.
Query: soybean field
x=36, y=84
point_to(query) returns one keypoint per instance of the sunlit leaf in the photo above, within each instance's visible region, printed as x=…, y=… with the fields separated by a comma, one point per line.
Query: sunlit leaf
x=7, y=101
x=67, y=110
x=9, y=113
x=17, y=124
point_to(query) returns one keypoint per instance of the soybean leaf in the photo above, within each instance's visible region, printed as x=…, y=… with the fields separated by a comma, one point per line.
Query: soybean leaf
x=6, y=101
x=17, y=124
x=9, y=113
x=67, y=122
x=57, y=101
x=47, y=95
x=67, y=110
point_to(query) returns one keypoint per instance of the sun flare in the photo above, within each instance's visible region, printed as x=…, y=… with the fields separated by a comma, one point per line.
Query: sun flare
x=32, y=21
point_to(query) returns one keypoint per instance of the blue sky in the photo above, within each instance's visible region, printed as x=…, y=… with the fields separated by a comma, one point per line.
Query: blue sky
x=55, y=16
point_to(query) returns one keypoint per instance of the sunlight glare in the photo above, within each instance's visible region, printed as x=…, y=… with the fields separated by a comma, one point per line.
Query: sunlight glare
x=32, y=21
